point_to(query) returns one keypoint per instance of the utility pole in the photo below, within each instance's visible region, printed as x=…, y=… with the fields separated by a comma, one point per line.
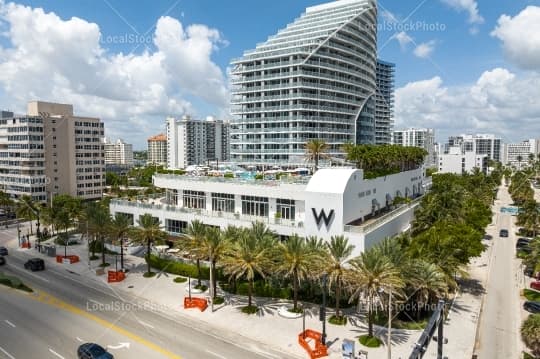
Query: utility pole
x=211, y=286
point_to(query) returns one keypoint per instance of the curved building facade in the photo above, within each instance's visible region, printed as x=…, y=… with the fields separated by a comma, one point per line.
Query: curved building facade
x=315, y=79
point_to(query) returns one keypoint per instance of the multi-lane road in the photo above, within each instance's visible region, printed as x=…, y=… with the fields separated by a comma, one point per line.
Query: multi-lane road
x=66, y=310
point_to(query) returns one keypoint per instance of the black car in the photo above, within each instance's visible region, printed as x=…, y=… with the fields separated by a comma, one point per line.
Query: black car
x=488, y=237
x=503, y=233
x=532, y=307
x=3, y=251
x=35, y=264
x=528, y=271
x=93, y=351
x=2, y=260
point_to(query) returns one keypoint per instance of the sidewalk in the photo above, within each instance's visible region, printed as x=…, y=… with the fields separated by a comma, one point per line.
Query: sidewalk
x=266, y=327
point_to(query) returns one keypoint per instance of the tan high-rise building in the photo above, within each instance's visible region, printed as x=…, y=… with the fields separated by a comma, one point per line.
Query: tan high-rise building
x=74, y=153
x=157, y=150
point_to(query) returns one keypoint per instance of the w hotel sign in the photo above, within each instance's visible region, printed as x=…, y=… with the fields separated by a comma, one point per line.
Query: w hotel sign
x=321, y=217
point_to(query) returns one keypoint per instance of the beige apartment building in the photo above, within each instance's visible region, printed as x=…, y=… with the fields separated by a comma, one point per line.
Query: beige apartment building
x=74, y=152
x=157, y=150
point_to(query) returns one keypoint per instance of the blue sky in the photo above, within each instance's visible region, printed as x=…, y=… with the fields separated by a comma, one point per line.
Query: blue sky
x=449, y=46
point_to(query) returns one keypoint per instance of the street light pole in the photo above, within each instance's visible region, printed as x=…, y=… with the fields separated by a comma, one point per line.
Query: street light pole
x=323, y=311
x=389, y=342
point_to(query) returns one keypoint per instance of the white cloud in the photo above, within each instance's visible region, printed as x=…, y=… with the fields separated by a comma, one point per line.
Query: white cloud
x=499, y=102
x=53, y=59
x=425, y=49
x=403, y=38
x=520, y=36
x=469, y=6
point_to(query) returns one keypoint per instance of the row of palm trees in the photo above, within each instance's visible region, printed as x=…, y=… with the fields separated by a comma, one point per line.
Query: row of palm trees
x=372, y=158
x=250, y=253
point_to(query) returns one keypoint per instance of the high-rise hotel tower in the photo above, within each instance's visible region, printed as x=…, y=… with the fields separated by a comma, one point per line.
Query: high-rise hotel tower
x=315, y=79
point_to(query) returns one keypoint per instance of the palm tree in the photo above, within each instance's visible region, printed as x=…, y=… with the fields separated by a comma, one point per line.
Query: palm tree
x=519, y=158
x=119, y=227
x=195, y=233
x=428, y=283
x=98, y=221
x=6, y=203
x=339, y=251
x=315, y=150
x=63, y=221
x=214, y=245
x=248, y=256
x=530, y=333
x=372, y=272
x=295, y=260
x=149, y=230
x=26, y=208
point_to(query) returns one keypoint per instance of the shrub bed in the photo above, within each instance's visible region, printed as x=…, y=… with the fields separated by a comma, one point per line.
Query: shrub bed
x=250, y=309
x=219, y=300
x=149, y=274
x=370, y=342
x=180, y=280
x=14, y=282
x=337, y=320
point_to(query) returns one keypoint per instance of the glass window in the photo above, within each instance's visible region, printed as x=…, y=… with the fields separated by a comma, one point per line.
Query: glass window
x=194, y=199
x=286, y=208
x=174, y=226
x=223, y=202
x=255, y=206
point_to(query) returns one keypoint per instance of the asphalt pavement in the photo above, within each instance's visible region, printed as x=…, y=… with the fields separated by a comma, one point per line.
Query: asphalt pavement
x=500, y=320
x=66, y=310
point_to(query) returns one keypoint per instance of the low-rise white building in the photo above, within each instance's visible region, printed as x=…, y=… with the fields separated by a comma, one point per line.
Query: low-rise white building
x=332, y=202
x=460, y=162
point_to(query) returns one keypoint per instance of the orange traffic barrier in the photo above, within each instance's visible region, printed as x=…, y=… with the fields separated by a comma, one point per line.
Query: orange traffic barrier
x=115, y=277
x=72, y=259
x=319, y=350
x=26, y=245
x=200, y=303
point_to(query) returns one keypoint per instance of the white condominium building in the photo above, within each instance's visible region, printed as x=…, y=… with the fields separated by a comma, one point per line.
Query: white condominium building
x=314, y=79
x=157, y=150
x=481, y=144
x=518, y=154
x=418, y=137
x=194, y=142
x=118, y=153
x=22, y=156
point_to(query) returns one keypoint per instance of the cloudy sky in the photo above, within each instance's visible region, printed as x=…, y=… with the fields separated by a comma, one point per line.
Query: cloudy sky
x=462, y=65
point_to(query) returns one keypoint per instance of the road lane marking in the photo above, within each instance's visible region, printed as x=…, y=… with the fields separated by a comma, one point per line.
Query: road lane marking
x=10, y=323
x=47, y=298
x=119, y=346
x=216, y=354
x=7, y=354
x=80, y=340
x=55, y=353
x=145, y=324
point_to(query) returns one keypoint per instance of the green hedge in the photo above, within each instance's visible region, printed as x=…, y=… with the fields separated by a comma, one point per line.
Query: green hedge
x=260, y=289
x=14, y=282
x=179, y=268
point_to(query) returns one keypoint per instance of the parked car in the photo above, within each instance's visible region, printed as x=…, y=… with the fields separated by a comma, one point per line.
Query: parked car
x=503, y=233
x=488, y=237
x=528, y=271
x=93, y=351
x=2, y=260
x=532, y=307
x=3, y=251
x=35, y=264
x=535, y=285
